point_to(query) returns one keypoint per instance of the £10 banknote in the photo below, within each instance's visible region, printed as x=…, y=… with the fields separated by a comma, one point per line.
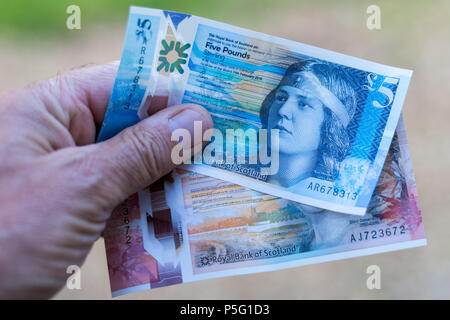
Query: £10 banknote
x=290, y=120
x=190, y=227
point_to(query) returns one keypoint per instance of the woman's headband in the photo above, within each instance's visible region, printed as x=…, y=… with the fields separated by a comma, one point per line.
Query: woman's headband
x=310, y=87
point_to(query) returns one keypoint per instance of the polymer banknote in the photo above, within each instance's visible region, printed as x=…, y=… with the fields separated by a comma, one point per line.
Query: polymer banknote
x=189, y=227
x=291, y=120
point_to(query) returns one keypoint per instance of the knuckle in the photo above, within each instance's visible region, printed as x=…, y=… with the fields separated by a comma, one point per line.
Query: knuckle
x=149, y=148
x=86, y=180
x=85, y=167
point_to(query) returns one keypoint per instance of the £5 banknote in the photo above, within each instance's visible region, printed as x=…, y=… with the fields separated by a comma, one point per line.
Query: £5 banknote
x=190, y=227
x=290, y=120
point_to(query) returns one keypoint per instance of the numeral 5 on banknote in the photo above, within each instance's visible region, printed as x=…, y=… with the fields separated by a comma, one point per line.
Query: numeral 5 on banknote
x=291, y=120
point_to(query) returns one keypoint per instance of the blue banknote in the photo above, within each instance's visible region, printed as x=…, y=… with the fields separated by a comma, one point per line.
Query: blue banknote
x=291, y=120
x=189, y=227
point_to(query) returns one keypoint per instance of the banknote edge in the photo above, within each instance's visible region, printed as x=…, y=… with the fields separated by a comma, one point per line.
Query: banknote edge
x=292, y=264
x=267, y=188
x=326, y=54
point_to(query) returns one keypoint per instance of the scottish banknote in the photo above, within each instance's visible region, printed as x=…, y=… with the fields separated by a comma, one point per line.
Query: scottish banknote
x=291, y=120
x=190, y=227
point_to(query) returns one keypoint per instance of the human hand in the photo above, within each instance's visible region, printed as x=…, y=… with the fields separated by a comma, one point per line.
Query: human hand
x=57, y=188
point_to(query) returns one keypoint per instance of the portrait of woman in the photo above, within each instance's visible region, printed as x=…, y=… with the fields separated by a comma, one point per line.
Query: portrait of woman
x=311, y=107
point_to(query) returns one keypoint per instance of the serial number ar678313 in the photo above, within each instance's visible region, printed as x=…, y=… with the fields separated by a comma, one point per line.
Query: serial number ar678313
x=333, y=191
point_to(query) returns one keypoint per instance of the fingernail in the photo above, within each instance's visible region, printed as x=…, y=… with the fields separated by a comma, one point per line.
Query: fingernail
x=190, y=120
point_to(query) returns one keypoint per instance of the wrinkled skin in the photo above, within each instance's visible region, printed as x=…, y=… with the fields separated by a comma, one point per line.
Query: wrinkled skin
x=58, y=188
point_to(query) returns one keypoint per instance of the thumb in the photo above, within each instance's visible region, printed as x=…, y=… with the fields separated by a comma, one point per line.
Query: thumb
x=141, y=154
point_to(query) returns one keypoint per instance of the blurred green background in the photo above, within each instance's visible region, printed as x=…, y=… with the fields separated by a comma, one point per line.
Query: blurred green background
x=28, y=17
x=35, y=44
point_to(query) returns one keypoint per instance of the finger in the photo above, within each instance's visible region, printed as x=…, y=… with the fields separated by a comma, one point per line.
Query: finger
x=74, y=103
x=92, y=86
x=158, y=103
x=159, y=99
x=141, y=154
x=154, y=104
